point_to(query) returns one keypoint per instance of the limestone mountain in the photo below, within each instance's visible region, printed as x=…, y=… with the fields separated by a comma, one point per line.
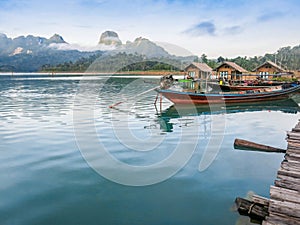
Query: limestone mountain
x=27, y=45
x=145, y=47
x=30, y=53
x=57, y=39
x=110, y=38
x=141, y=46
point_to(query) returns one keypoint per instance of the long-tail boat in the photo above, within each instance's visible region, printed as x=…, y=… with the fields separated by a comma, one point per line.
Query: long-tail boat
x=194, y=97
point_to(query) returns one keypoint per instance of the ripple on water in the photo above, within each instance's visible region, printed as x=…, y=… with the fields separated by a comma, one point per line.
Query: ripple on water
x=45, y=180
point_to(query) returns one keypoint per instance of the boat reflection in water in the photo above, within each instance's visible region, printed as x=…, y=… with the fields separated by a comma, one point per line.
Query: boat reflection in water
x=179, y=111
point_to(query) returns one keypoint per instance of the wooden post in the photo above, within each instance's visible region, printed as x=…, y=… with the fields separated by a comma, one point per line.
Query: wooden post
x=252, y=146
x=254, y=210
x=160, y=102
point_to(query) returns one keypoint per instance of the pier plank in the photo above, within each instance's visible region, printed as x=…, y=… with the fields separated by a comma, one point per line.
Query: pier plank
x=290, y=167
x=281, y=219
x=285, y=194
x=287, y=184
x=287, y=208
x=284, y=203
x=260, y=200
x=288, y=173
x=293, y=180
x=292, y=158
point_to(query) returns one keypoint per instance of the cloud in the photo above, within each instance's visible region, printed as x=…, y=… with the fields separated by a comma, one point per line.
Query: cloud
x=63, y=46
x=270, y=16
x=233, y=30
x=174, y=49
x=201, y=29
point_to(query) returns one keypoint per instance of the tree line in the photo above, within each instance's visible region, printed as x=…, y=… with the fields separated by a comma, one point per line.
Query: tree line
x=286, y=57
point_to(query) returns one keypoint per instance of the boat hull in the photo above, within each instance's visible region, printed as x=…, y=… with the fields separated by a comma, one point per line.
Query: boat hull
x=178, y=97
x=240, y=88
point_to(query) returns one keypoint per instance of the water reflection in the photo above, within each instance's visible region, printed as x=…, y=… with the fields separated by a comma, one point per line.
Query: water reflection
x=41, y=165
x=178, y=111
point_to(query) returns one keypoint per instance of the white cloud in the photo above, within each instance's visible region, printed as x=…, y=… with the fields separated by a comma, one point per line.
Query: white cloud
x=63, y=46
x=245, y=28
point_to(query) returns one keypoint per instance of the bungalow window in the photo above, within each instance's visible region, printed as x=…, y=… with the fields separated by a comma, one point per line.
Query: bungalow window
x=264, y=75
x=224, y=74
x=192, y=73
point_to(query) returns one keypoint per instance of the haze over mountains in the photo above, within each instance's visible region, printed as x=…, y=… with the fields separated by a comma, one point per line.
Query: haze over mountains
x=32, y=53
x=28, y=54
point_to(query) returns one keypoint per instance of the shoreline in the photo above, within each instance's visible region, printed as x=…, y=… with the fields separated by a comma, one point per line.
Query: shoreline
x=144, y=73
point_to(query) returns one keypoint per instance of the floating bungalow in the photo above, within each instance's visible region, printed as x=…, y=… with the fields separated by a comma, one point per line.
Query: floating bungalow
x=199, y=71
x=231, y=71
x=269, y=70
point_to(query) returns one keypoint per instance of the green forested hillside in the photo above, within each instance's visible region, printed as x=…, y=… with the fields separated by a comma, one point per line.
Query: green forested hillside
x=286, y=57
x=116, y=63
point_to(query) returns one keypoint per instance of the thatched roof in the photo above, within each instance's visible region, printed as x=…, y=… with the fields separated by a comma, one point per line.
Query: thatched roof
x=201, y=66
x=271, y=64
x=234, y=66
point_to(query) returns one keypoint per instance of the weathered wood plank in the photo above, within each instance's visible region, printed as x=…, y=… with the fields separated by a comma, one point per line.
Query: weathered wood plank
x=288, y=173
x=293, y=151
x=293, y=136
x=290, y=158
x=294, y=180
x=295, y=155
x=268, y=223
x=279, y=219
x=296, y=129
x=291, y=163
x=252, y=146
x=283, y=194
x=293, y=144
x=290, y=167
x=291, y=133
x=260, y=200
x=287, y=184
x=253, y=210
x=286, y=208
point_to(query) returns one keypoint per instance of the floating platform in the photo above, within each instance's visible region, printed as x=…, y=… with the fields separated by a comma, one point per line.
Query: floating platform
x=283, y=207
x=284, y=203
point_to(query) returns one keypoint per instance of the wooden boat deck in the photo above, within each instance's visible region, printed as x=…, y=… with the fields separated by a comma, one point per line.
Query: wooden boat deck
x=284, y=203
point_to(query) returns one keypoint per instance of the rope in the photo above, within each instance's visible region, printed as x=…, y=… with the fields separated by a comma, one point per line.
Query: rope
x=118, y=103
x=251, y=207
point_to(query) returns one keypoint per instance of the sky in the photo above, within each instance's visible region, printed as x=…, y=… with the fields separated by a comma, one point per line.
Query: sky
x=226, y=28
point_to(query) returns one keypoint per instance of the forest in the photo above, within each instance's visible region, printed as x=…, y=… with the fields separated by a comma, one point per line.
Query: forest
x=286, y=57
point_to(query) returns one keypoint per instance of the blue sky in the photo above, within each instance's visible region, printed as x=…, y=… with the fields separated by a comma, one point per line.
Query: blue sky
x=225, y=28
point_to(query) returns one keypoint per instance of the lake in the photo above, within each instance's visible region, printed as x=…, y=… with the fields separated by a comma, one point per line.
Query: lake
x=67, y=157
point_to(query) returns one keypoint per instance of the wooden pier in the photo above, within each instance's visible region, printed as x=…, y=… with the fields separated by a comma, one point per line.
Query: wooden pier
x=284, y=203
x=283, y=207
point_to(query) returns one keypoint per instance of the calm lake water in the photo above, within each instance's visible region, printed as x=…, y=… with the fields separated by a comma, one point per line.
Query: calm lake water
x=61, y=146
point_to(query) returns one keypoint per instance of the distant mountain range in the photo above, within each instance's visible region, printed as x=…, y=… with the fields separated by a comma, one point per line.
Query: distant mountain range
x=30, y=53
x=26, y=45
